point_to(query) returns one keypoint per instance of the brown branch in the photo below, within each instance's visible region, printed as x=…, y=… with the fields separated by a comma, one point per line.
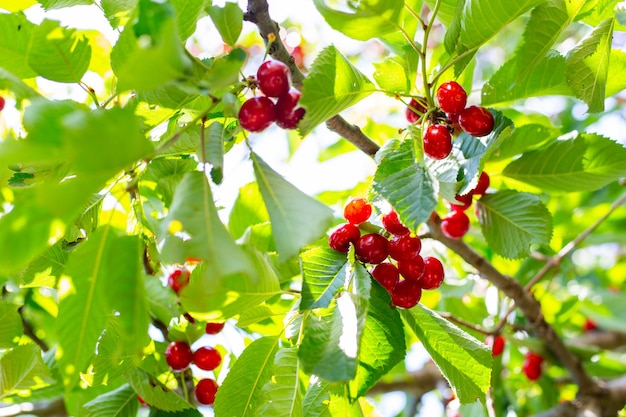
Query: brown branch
x=603, y=339
x=529, y=306
x=258, y=13
x=28, y=331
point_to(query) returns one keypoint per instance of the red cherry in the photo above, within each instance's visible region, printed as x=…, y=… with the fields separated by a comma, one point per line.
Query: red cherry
x=465, y=200
x=142, y=402
x=357, y=211
x=287, y=116
x=178, y=355
x=412, y=270
x=532, y=366
x=207, y=358
x=406, y=294
x=590, y=325
x=214, y=328
x=437, y=142
x=416, y=110
x=387, y=275
x=483, y=184
x=404, y=248
x=497, y=347
x=257, y=114
x=273, y=78
x=455, y=225
x=2, y=103
x=205, y=391
x=451, y=97
x=341, y=238
x=178, y=279
x=392, y=224
x=433, y=273
x=476, y=121
x=371, y=248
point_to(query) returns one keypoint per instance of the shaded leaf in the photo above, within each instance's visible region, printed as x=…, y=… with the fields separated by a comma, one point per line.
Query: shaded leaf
x=16, y=33
x=247, y=210
x=154, y=392
x=283, y=393
x=323, y=272
x=10, y=324
x=22, y=368
x=228, y=20
x=120, y=402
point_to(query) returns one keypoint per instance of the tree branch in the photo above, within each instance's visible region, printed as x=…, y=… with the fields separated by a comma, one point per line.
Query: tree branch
x=602, y=339
x=258, y=13
x=28, y=331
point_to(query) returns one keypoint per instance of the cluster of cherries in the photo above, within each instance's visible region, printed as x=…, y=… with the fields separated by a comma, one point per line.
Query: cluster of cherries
x=396, y=260
x=456, y=224
x=452, y=100
x=258, y=113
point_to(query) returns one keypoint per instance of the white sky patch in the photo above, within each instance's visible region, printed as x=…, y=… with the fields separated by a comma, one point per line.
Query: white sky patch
x=348, y=339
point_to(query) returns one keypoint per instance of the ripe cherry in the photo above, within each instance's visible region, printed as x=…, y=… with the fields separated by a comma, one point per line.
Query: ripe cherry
x=455, y=225
x=207, y=358
x=465, y=200
x=2, y=103
x=391, y=223
x=273, y=78
x=416, y=110
x=387, y=275
x=433, y=273
x=483, y=184
x=178, y=279
x=257, y=114
x=178, y=355
x=589, y=325
x=497, y=345
x=476, y=121
x=437, y=141
x=287, y=115
x=412, y=270
x=371, y=248
x=406, y=294
x=532, y=366
x=341, y=238
x=451, y=97
x=404, y=248
x=357, y=211
x=214, y=328
x=205, y=391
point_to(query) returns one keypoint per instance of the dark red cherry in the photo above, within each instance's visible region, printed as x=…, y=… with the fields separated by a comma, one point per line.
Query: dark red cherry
x=416, y=110
x=437, y=141
x=497, y=346
x=433, y=273
x=2, y=103
x=391, y=223
x=483, y=184
x=412, y=270
x=455, y=225
x=257, y=114
x=205, y=391
x=465, y=200
x=406, y=294
x=341, y=237
x=532, y=366
x=404, y=248
x=451, y=97
x=387, y=275
x=207, y=358
x=213, y=328
x=476, y=121
x=178, y=355
x=371, y=248
x=273, y=78
x=287, y=115
x=178, y=279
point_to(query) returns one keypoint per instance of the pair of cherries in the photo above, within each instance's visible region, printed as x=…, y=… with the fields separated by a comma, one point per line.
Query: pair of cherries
x=456, y=223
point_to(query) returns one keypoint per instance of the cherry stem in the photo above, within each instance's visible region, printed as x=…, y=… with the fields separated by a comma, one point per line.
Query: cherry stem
x=415, y=14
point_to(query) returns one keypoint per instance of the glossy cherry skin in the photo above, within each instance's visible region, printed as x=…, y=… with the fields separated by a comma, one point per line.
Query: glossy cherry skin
x=497, y=346
x=412, y=270
x=476, y=121
x=341, y=237
x=418, y=104
x=257, y=114
x=451, y=97
x=483, y=184
x=391, y=223
x=433, y=273
x=207, y=358
x=455, y=225
x=178, y=355
x=205, y=391
x=287, y=115
x=437, y=141
x=371, y=248
x=178, y=279
x=213, y=328
x=273, y=78
x=406, y=294
x=387, y=275
x=357, y=211
x=532, y=366
x=404, y=248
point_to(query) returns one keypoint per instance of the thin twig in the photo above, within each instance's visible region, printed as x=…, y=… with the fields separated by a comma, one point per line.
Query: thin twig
x=28, y=331
x=464, y=323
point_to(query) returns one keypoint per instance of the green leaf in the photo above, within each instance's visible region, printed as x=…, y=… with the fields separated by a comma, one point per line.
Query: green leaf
x=10, y=325
x=241, y=393
x=297, y=219
x=547, y=78
x=164, y=174
x=149, y=53
x=13, y=6
x=512, y=221
x=404, y=183
x=120, y=402
x=20, y=90
x=187, y=15
x=316, y=402
x=59, y=4
x=324, y=271
x=162, y=301
x=22, y=368
x=247, y=210
x=282, y=392
x=118, y=12
x=16, y=33
x=464, y=361
x=188, y=412
x=523, y=138
x=367, y=19
x=58, y=54
x=615, y=82
x=588, y=66
x=585, y=163
x=154, y=392
x=114, y=356
x=392, y=75
x=382, y=344
x=45, y=269
x=333, y=85
x=228, y=20
x=193, y=212
x=214, y=150
x=547, y=23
